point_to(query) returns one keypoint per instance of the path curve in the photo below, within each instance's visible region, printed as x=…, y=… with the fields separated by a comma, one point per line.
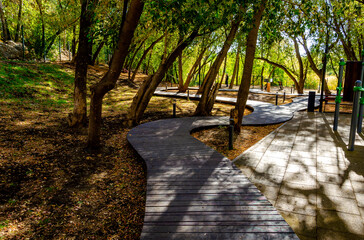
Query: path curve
x=263, y=113
x=194, y=192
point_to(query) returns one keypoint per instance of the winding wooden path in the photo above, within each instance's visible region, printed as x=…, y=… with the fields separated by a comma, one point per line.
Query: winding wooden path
x=194, y=192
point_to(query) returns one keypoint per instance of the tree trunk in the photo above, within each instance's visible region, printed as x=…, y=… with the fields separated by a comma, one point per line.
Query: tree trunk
x=193, y=71
x=79, y=115
x=314, y=66
x=52, y=38
x=145, y=92
x=108, y=81
x=236, y=67
x=144, y=56
x=134, y=55
x=202, y=107
x=4, y=23
x=97, y=52
x=16, y=39
x=180, y=68
x=73, y=48
x=251, y=44
x=39, y=3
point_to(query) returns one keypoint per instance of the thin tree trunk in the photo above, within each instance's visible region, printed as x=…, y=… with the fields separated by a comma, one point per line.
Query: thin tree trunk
x=73, y=48
x=39, y=3
x=134, y=55
x=144, y=56
x=79, y=115
x=236, y=67
x=52, y=38
x=108, y=82
x=145, y=92
x=193, y=71
x=17, y=31
x=97, y=52
x=202, y=107
x=4, y=23
x=248, y=67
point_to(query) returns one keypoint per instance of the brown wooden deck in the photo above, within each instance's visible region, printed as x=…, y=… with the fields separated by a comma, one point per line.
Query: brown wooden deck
x=194, y=192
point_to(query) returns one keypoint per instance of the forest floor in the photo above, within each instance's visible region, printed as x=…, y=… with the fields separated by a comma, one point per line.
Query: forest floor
x=50, y=186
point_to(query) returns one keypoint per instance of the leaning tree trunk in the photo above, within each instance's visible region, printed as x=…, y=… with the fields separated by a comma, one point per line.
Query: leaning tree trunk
x=202, y=107
x=79, y=115
x=248, y=67
x=236, y=68
x=145, y=92
x=108, y=82
x=144, y=56
x=193, y=71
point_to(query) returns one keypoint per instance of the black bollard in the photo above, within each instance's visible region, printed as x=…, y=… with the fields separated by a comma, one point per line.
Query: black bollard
x=231, y=133
x=311, y=101
x=284, y=96
x=174, y=108
x=276, y=98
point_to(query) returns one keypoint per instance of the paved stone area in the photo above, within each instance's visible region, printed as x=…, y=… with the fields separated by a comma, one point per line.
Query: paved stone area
x=306, y=172
x=193, y=192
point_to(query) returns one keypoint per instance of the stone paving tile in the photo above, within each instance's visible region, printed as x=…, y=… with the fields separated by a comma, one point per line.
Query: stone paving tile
x=341, y=222
x=325, y=184
x=303, y=225
x=340, y=204
x=327, y=234
x=295, y=205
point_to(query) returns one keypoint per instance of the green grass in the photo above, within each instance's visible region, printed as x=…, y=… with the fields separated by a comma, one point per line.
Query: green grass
x=37, y=83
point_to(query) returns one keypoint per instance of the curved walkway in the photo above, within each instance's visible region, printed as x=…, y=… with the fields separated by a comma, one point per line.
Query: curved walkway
x=263, y=113
x=194, y=192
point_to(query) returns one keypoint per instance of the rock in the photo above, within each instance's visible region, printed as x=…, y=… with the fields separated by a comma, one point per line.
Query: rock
x=11, y=50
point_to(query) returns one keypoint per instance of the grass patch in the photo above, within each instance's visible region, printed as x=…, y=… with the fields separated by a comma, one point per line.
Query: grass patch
x=42, y=83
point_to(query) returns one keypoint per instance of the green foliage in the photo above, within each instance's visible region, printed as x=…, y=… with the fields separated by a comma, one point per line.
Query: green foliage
x=45, y=84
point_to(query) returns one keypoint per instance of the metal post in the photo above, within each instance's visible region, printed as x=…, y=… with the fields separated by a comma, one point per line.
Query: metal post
x=231, y=133
x=338, y=94
x=22, y=40
x=291, y=90
x=59, y=48
x=276, y=98
x=166, y=86
x=284, y=96
x=354, y=117
x=361, y=108
x=174, y=108
x=311, y=101
x=188, y=95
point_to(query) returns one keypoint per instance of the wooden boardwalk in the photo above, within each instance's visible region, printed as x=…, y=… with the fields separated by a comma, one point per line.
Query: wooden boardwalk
x=193, y=192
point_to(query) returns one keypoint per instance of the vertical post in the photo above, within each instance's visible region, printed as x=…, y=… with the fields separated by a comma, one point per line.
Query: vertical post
x=231, y=133
x=354, y=117
x=284, y=96
x=311, y=101
x=22, y=41
x=338, y=94
x=292, y=90
x=188, y=95
x=361, y=108
x=69, y=51
x=174, y=108
x=276, y=98
x=59, y=48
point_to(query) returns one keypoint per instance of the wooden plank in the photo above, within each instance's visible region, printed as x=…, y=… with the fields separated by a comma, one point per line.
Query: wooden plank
x=161, y=203
x=218, y=236
x=219, y=229
x=213, y=217
x=238, y=209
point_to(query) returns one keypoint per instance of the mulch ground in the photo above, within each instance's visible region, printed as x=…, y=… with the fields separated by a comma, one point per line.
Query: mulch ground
x=52, y=188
